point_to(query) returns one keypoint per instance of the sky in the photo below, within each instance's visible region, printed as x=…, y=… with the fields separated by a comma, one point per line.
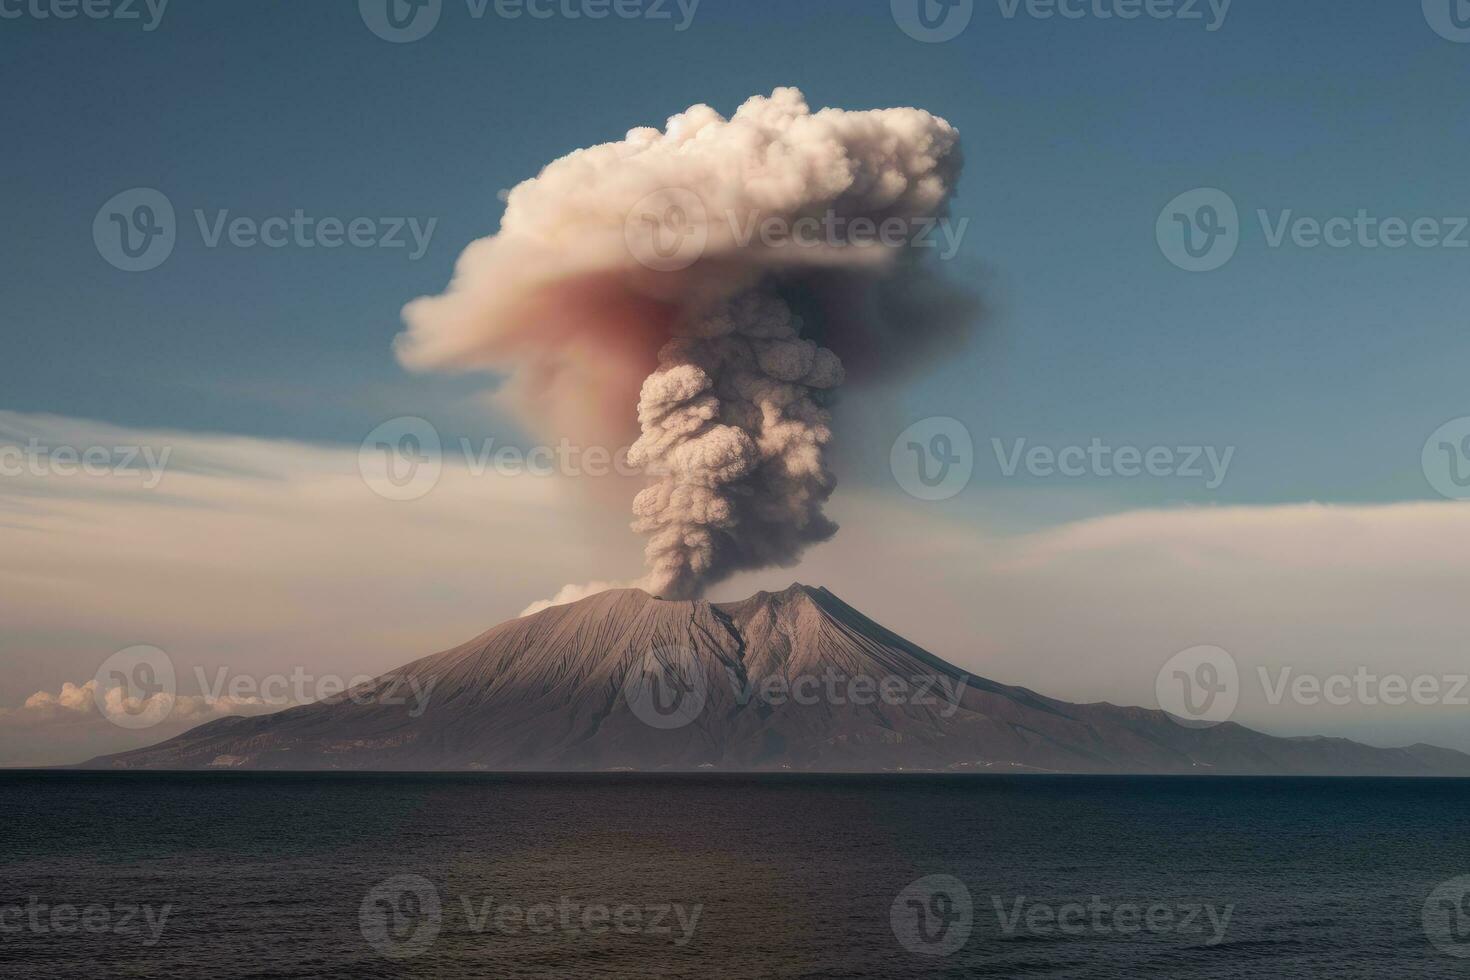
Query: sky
x=1311, y=375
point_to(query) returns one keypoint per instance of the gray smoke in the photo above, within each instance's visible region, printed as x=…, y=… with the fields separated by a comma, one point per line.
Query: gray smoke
x=736, y=435
x=746, y=341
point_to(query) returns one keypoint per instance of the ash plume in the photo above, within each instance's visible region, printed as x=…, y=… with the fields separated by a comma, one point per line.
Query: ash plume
x=724, y=276
x=735, y=434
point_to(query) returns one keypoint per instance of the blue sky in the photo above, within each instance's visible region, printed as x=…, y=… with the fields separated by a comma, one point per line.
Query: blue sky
x=1326, y=368
x=1323, y=369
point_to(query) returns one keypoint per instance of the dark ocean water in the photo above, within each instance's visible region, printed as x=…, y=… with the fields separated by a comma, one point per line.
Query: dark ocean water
x=235, y=875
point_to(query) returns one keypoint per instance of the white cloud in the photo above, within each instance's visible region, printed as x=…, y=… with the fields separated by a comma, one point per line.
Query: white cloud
x=81, y=701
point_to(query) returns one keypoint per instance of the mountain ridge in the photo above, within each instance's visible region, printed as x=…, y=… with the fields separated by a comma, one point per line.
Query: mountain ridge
x=789, y=680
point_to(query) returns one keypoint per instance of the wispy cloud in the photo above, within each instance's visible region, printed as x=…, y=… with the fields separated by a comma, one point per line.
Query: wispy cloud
x=261, y=557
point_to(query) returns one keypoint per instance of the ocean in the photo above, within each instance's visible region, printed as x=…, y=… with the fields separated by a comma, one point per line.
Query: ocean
x=164, y=875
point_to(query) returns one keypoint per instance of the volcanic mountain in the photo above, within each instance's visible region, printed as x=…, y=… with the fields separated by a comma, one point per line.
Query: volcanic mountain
x=792, y=680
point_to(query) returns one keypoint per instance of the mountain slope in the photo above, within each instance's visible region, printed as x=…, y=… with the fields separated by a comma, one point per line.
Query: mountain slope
x=796, y=679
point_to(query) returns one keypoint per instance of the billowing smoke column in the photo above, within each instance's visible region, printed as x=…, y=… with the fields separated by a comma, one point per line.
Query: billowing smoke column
x=724, y=276
x=735, y=434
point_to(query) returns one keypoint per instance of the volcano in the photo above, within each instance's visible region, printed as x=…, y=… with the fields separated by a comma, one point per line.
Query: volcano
x=795, y=680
